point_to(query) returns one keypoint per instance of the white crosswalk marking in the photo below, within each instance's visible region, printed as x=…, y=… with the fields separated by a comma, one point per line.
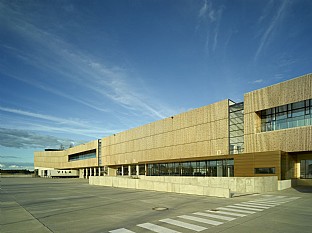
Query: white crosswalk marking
x=259, y=204
x=273, y=199
x=203, y=220
x=156, y=228
x=244, y=208
x=236, y=210
x=226, y=213
x=256, y=206
x=271, y=202
x=183, y=224
x=215, y=216
x=121, y=230
x=262, y=202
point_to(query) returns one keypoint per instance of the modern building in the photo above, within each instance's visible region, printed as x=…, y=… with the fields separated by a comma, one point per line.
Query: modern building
x=269, y=134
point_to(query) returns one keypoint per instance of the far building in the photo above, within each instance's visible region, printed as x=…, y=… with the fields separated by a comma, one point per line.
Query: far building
x=269, y=134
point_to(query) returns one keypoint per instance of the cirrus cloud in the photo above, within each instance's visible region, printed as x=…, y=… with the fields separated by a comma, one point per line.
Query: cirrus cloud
x=16, y=138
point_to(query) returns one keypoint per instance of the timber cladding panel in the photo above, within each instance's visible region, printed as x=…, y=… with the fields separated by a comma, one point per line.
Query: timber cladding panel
x=290, y=140
x=59, y=159
x=291, y=91
x=245, y=164
x=196, y=133
x=50, y=159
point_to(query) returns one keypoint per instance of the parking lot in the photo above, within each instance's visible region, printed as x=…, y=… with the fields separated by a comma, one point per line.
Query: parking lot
x=72, y=205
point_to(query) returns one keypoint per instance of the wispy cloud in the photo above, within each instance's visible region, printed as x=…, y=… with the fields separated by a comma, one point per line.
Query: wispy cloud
x=8, y=156
x=258, y=81
x=26, y=139
x=57, y=120
x=279, y=76
x=58, y=124
x=108, y=81
x=210, y=18
x=206, y=11
x=274, y=21
x=58, y=92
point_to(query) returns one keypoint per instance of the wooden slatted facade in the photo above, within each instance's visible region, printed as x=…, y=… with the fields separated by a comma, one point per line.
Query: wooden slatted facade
x=203, y=134
x=197, y=133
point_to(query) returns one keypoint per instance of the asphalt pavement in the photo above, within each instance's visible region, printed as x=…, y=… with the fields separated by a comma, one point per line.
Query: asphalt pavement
x=72, y=205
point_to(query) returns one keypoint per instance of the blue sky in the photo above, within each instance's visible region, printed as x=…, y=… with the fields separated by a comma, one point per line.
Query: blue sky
x=75, y=71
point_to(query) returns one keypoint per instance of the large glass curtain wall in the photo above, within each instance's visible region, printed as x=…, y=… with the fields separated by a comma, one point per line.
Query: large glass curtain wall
x=216, y=168
x=287, y=116
x=236, y=128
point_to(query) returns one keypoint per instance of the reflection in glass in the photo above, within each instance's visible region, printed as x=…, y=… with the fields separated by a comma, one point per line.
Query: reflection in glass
x=287, y=116
x=195, y=168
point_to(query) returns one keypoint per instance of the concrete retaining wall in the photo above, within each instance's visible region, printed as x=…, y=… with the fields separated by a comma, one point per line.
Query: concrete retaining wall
x=208, y=186
x=235, y=184
x=284, y=184
x=123, y=182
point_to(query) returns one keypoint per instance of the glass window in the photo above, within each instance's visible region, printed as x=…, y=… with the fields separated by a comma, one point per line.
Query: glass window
x=298, y=105
x=265, y=170
x=282, y=108
x=281, y=116
x=194, y=168
x=141, y=169
x=286, y=116
x=306, y=169
x=236, y=127
x=82, y=156
x=298, y=112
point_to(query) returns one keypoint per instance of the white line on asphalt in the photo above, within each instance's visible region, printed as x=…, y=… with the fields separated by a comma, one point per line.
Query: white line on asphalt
x=215, y=216
x=121, y=230
x=244, y=208
x=251, y=205
x=259, y=204
x=183, y=224
x=156, y=228
x=270, y=202
x=236, y=210
x=273, y=199
x=211, y=222
x=226, y=213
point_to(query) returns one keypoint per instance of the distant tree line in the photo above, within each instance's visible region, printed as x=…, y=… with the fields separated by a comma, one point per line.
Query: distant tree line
x=17, y=171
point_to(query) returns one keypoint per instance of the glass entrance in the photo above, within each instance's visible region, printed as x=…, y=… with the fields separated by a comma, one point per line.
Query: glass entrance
x=306, y=169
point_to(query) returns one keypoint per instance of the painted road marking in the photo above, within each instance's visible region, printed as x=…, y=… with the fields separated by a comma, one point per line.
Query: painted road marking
x=121, y=230
x=259, y=204
x=249, y=205
x=226, y=213
x=203, y=220
x=270, y=202
x=156, y=228
x=236, y=210
x=183, y=224
x=215, y=216
x=244, y=208
x=262, y=203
